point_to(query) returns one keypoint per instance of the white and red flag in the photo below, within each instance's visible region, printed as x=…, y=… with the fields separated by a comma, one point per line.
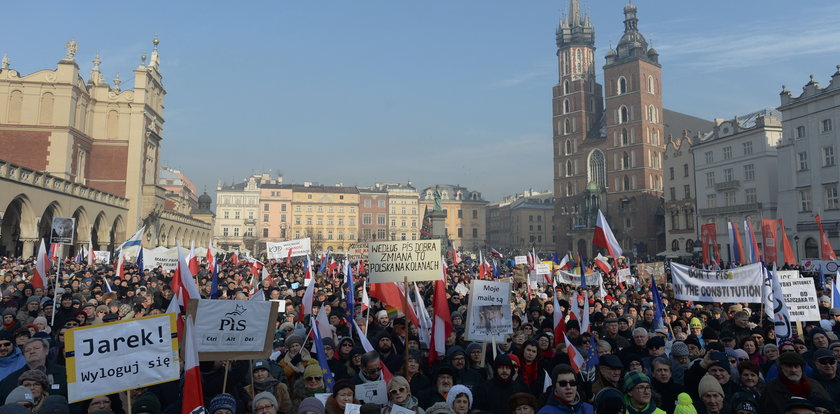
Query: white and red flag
x=575, y=358
x=442, y=324
x=192, y=400
x=605, y=238
x=42, y=267
x=559, y=321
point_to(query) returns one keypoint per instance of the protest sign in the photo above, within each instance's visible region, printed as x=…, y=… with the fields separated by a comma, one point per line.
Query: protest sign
x=592, y=279
x=488, y=311
x=167, y=259
x=101, y=256
x=372, y=392
x=801, y=299
x=392, y=261
x=322, y=397
x=357, y=251
x=62, y=230
x=233, y=329
x=787, y=274
x=462, y=289
x=542, y=269
x=741, y=284
x=624, y=275
x=646, y=271
x=280, y=250
x=350, y=408
x=109, y=358
x=814, y=265
x=520, y=260
x=397, y=409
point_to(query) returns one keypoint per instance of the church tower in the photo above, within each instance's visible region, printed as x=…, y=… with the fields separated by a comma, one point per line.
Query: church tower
x=635, y=142
x=577, y=108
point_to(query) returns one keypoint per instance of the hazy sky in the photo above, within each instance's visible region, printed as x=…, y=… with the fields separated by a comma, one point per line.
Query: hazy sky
x=429, y=91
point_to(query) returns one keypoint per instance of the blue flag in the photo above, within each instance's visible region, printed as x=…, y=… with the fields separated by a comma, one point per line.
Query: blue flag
x=351, y=300
x=822, y=277
x=327, y=375
x=658, y=309
x=214, y=283
x=591, y=356
x=324, y=262
x=583, y=273
x=496, y=269
x=140, y=260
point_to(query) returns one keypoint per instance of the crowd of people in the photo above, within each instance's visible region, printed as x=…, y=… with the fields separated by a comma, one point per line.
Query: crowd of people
x=707, y=358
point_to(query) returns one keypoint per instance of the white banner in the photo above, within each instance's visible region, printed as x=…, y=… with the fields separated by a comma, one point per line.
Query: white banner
x=542, y=269
x=488, y=312
x=232, y=325
x=801, y=298
x=520, y=260
x=109, y=358
x=592, y=279
x=280, y=250
x=741, y=284
x=394, y=260
x=827, y=266
x=163, y=257
x=624, y=275
x=101, y=256
x=357, y=251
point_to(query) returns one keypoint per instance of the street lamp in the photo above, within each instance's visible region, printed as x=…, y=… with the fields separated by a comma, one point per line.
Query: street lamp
x=796, y=241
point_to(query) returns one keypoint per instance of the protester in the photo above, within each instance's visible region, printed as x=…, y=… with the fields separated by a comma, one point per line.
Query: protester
x=263, y=381
x=343, y=393
x=565, y=395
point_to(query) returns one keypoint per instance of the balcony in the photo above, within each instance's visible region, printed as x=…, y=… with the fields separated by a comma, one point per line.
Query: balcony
x=250, y=222
x=728, y=185
x=740, y=208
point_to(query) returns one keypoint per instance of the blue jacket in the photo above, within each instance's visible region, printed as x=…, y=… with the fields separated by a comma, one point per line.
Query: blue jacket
x=554, y=406
x=11, y=362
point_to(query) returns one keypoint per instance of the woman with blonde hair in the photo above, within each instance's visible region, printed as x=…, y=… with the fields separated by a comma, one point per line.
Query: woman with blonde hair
x=399, y=393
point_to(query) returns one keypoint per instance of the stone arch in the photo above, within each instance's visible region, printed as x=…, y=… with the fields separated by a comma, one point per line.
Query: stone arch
x=812, y=248
x=117, y=233
x=45, y=221
x=179, y=236
x=18, y=223
x=170, y=236
x=100, y=232
x=82, y=229
x=162, y=233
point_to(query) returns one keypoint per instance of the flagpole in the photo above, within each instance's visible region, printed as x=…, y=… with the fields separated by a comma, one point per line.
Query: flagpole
x=55, y=292
x=224, y=382
x=407, y=322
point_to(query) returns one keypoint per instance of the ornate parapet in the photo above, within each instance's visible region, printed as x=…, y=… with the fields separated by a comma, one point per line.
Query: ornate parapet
x=35, y=178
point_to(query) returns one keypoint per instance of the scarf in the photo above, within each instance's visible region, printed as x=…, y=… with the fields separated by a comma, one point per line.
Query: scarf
x=553, y=400
x=267, y=385
x=529, y=372
x=650, y=408
x=797, y=389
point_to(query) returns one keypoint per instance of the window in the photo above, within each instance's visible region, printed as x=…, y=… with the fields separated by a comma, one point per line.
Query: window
x=475, y=232
x=826, y=125
x=380, y=234
x=671, y=172
x=366, y=218
x=367, y=203
x=393, y=223
x=625, y=137
x=380, y=219
x=689, y=220
x=236, y=231
x=685, y=170
x=236, y=214
x=460, y=232
x=381, y=203
x=265, y=232
x=710, y=157
x=622, y=85
x=675, y=220
x=828, y=156
x=565, y=87
x=803, y=161
x=309, y=221
x=805, y=200
x=711, y=201
x=570, y=170
x=831, y=200
x=283, y=218
x=687, y=190
x=250, y=215
x=747, y=147
x=626, y=183
x=567, y=126
x=727, y=174
x=297, y=221
x=568, y=146
x=265, y=217
x=329, y=235
x=749, y=172
x=297, y=209
x=729, y=198
x=282, y=207
x=340, y=221
x=265, y=207
x=308, y=209
x=341, y=235
x=727, y=153
x=625, y=161
x=800, y=131
x=224, y=231
x=475, y=214
x=623, y=115
x=566, y=106
x=749, y=195
x=710, y=179
x=226, y=214
x=673, y=194
x=651, y=85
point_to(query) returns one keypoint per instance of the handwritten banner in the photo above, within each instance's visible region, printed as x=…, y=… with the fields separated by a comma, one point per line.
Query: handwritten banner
x=488, y=312
x=280, y=250
x=394, y=260
x=741, y=284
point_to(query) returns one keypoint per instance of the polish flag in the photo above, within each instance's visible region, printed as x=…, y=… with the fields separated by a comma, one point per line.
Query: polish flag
x=211, y=260
x=442, y=324
x=289, y=256
x=576, y=359
x=574, y=308
x=605, y=238
x=360, y=268
x=192, y=399
x=365, y=298
x=183, y=283
x=584, y=320
x=307, y=272
x=559, y=321
x=235, y=259
x=266, y=275
x=495, y=253
x=456, y=257
x=42, y=267
x=386, y=373
x=192, y=260
x=565, y=262
x=482, y=270
x=306, y=303
x=121, y=267
x=602, y=263
x=53, y=250
x=90, y=252
x=393, y=296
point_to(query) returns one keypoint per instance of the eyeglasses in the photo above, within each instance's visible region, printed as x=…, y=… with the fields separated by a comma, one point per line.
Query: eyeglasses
x=373, y=370
x=5, y=344
x=263, y=408
x=346, y=345
x=101, y=403
x=827, y=361
x=399, y=390
x=643, y=388
x=571, y=383
x=310, y=379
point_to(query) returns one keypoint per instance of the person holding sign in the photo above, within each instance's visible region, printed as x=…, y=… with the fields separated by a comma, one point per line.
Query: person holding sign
x=344, y=392
x=264, y=382
x=399, y=394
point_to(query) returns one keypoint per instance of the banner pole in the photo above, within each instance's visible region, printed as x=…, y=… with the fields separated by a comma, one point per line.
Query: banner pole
x=251, y=371
x=55, y=292
x=128, y=401
x=224, y=382
x=407, y=322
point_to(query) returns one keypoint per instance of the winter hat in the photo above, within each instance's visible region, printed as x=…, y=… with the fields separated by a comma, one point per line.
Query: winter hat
x=9, y=312
x=798, y=402
x=436, y=408
x=709, y=384
x=146, y=403
x=473, y=346
x=823, y=403
x=342, y=384
x=609, y=400
x=502, y=359
x=455, y=392
x=261, y=364
x=747, y=406
x=265, y=395
x=453, y=351
x=222, y=401
x=20, y=394
x=679, y=349
x=719, y=359
x=54, y=404
x=791, y=358
x=294, y=339
x=42, y=321
x=634, y=378
x=328, y=342
x=455, y=314
x=36, y=375
x=522, y=398
x=740, y=353
x=684, y=405
x=311, y=405
x=33, y=299
x=381, y=313
x=313, y=370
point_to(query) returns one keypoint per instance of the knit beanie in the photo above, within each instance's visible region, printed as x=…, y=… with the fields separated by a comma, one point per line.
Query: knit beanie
x=634, y=378
x=313, y=370
x=437, y=408
x=54, y=404
x=265, y=395
x=709, y=384
x=522, y=398
x=222, y=401
x=311, y=404
x=455, y=392
x=293, y=339
x=609, y=400
x=684, y=405
x=342, y=384
x=719, y=359
x=679, y=349
x=36, y=375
